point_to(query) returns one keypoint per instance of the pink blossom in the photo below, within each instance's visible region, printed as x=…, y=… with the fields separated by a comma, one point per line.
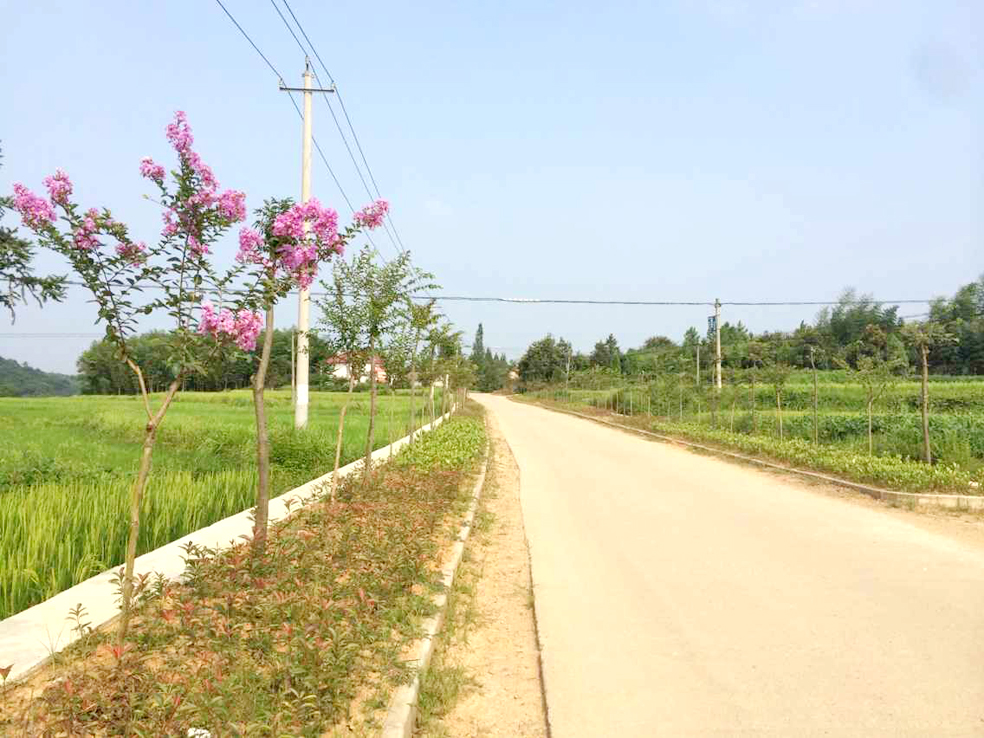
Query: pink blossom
x=232, y=205
x=323, y=222
x=371, y=216
x=134, y=252
x=242, y=327
x=179, y=134
x=151, y=170
x=59, y=187
x=250, y=246
x=35, y=211
x=170, y=227
x=85, y=235
x=197, y=247
x=248, y=327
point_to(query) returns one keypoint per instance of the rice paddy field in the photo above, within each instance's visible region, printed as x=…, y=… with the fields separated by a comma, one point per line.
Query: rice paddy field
x=67, y=463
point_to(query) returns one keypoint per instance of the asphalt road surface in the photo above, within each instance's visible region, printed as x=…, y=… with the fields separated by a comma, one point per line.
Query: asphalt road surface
x=682, y=595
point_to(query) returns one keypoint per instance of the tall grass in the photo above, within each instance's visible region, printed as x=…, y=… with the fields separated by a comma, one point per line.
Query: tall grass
x=66, y=466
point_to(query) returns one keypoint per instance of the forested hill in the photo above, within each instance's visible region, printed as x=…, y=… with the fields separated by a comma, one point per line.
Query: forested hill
x=21, y=380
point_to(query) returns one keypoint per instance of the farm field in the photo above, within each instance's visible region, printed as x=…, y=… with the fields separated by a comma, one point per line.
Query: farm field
x=66, y=466
x=746, y=419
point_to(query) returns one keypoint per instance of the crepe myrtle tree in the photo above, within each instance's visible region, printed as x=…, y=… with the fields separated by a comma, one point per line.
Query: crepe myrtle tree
x=116, y=269
x=282, y=250
x=379, y=294
x=18, y=280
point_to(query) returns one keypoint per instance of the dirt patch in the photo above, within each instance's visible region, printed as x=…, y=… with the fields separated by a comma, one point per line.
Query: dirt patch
x=485, y=678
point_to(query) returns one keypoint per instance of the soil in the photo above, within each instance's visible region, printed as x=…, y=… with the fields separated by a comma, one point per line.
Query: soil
x=495, y=644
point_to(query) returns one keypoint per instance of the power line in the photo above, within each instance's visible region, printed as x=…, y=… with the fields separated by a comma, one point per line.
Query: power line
x=296, y=108
x=355, y=136
x=641, y=303
x=334, y=117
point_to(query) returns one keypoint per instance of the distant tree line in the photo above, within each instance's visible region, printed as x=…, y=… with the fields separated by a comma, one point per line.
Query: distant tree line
x=102, y=373
x=21, y=380
x=847, y=334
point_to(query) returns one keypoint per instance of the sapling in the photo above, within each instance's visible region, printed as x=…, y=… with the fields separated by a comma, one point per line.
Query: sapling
x=283, y=249
x=116, y=268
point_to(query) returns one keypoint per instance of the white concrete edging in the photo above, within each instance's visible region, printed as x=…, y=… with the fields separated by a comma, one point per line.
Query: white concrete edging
x=402, y=713
x=31, y=637
x=955, y=502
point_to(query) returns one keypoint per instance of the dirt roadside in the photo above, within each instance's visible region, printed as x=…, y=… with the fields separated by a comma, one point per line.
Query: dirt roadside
x=485, y=677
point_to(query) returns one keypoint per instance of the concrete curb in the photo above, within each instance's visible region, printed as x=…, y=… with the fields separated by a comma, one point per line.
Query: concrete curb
x=402, y=713
x=953, y=502
x=29, y=639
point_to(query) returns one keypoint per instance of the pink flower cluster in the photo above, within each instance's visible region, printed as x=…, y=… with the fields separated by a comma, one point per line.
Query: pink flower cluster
x=251, y=248
x=59, y=187
x=242, y=327
x=323, y=223
x=35, y=211
x=134, y=251
x=230, y=205
x=371, y=216
x=151, y=169
x=85, y=235
x=305, y=247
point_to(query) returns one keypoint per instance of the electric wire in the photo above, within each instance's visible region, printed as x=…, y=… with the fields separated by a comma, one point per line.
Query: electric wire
x=341, y=103
x=632, y=303
x=300, y=114
x=334, y=117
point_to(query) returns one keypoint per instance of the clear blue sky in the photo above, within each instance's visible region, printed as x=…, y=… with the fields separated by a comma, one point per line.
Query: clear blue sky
x=635, y=150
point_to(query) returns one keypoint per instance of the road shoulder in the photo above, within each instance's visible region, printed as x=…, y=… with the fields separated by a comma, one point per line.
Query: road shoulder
x=485, y=676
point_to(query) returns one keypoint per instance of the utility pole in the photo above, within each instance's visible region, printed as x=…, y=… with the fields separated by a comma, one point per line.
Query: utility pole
x=717, y=340
x=304, y=299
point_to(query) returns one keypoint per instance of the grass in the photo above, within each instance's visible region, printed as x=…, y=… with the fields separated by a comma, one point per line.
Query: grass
x=279, y=646
x=66, y=466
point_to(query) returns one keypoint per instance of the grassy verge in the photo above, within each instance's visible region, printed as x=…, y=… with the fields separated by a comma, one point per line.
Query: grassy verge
x=285, y=645
x=893, y=472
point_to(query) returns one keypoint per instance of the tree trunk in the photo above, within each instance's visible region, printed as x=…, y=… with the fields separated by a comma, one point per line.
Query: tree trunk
x=816, y=402
x=433, y=418
x=413, y=381
x=262, y=514
x=371, y=435
x=389, y=426
x=734, y=401
x=136, y=497
x=779, y=411
x=338, y=441
x=871, y=402
x=927, y=449
x=751, y=398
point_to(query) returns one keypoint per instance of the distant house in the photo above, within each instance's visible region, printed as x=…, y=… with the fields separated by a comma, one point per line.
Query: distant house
x=338, y=367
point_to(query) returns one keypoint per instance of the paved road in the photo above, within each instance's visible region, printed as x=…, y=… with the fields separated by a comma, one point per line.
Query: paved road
x=681, y=595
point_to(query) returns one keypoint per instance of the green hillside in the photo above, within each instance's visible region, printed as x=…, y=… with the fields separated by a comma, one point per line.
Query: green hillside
x=21, y=380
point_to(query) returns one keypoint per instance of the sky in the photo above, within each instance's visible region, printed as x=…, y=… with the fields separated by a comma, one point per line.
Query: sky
x=680, y=151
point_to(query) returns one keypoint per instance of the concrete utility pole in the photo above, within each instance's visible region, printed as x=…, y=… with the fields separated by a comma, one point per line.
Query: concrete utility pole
x=304, y=300
x=717, y=340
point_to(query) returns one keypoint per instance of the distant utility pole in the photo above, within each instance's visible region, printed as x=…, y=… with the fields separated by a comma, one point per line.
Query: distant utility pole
x=304, y=299
x=717, y=340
